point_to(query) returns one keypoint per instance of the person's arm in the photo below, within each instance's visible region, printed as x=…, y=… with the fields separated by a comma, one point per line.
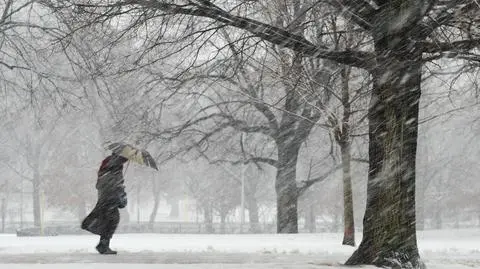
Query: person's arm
x=122, y=195
x=122, y=199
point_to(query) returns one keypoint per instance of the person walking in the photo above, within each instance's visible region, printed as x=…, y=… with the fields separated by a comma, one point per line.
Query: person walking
x=104, y=218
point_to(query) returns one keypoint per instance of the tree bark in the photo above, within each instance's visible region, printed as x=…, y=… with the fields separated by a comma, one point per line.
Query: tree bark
x=345, y=145
x=389, y=236
x=286, y=187
x=348, y=217
x=389, y=233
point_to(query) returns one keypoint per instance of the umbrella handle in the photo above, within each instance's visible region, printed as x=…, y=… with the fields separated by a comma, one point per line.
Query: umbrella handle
x=126, y=168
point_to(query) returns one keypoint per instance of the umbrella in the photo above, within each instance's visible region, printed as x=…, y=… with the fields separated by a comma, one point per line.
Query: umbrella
x=133, y=154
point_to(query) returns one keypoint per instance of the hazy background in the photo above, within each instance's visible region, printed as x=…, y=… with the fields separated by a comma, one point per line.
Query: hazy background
x=62, y=104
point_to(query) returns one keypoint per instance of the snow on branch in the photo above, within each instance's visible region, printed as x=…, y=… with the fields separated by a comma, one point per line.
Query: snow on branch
x=462, y=45
x=304, y=185
x=254, y=160
x=265, y=31
x=361, y=11
x=444, y=12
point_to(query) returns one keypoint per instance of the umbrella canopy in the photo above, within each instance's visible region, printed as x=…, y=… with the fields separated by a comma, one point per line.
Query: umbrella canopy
x=128, y=151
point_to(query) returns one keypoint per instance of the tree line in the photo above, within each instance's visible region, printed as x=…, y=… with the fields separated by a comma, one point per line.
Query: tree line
x=272, y=72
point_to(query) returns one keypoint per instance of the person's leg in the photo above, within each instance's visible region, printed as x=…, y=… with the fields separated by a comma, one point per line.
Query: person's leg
x=103, y=246
x=112, y=218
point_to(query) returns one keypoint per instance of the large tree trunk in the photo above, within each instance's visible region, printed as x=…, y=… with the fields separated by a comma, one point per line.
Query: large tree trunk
x=348, y=217
x=286, y=187
x=389, y=235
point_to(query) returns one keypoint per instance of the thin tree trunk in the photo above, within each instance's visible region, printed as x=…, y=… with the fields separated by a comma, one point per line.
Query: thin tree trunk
x=311, y=219
x=389, y=235
x=286, y=188
x=36, y=198
x=4, y=209
x=478, y=218
x=438, y=218
x=345, y=144
x=175, y=208
x=348, y=217
x=153, y=214
x=208, y=219
x=156, y=202
x=223, y=217
x=253, y=213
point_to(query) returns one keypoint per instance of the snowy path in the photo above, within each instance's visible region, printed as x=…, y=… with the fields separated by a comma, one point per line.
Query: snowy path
x=454, y=249
x=233, y=260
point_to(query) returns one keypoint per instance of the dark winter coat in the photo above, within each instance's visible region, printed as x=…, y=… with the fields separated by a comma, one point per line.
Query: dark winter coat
x=104, y=218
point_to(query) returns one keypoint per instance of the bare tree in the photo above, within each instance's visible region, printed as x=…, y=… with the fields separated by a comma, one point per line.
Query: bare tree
x=72, y=160
x=30, y=152
x=404, y=35
x=345, y=122
x=216, y=192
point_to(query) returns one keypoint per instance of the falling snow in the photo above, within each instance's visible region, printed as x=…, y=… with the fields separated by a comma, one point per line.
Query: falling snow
x=256, y=134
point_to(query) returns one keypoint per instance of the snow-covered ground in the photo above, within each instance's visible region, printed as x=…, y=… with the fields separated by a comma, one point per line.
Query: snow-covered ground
x=453, y=249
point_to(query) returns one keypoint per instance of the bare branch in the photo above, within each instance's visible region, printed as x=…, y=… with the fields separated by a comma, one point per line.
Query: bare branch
x=255, y=160
x=17, y=172
x=445, y=12
x=231, y=122
x=265, y=31
x=11, y=67
x=307, y=183
x=462, y=45
x=261, y=107
x=360, y=160
x=360, y=11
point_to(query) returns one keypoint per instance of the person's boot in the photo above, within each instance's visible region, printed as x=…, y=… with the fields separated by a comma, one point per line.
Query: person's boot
x=103, y=247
